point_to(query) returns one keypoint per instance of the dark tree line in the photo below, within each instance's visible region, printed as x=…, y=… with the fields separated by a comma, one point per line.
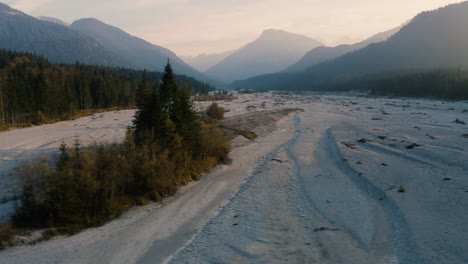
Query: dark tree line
x=32, y=90
x=435, y=83
x=449, y=84
x=167, y=147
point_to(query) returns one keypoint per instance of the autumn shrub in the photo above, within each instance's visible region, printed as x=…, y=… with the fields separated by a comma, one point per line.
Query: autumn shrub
x=89, y=186
x=214, y=111
x=6, y=234
x=214, y=143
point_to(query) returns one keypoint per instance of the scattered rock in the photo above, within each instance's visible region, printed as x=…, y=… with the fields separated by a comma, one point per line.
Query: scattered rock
x=364, y=140
x=349, y=145
x=412, y=146
x=458, y=121
x=322, y=228
x=401, y=189
x=447, y=179
x=383, y=164
x=278, y=160
x=235, y=224
x=250, y=108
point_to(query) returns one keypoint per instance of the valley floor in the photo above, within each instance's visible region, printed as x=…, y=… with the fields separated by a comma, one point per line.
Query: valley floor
x=349, y=180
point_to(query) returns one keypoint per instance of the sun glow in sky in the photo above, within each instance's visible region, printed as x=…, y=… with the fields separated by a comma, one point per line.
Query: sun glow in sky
x=191, y=27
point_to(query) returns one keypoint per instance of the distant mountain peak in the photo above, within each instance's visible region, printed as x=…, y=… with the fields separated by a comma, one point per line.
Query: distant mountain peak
x=269, y=34
x=271, y=52
x=142, y=53
x=54, y=20
x=274, y=31
x=96, y=27
x=203, y=62
x=91, y=21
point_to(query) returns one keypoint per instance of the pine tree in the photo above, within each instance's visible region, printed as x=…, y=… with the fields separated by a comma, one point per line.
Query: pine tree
x=186, y=120
x=168, y=90
x=167, y=113
x=155, y=106
x=143, y=92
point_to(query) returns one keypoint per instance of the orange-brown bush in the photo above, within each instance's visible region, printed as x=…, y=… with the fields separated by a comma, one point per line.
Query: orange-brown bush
x=6, y=233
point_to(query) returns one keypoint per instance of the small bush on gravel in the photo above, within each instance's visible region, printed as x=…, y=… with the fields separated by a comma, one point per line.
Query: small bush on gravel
x=215, y=112
x=6, y=234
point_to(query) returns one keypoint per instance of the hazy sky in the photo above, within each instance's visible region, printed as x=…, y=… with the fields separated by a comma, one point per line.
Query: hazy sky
x=190, y=27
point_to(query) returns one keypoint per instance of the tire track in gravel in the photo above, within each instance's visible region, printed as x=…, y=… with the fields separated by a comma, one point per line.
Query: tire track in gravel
x=265, y=222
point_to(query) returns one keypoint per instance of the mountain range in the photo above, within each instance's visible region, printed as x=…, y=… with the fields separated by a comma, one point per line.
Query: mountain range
x=88, y=41
x=275, y=60
x=60, y=44
x=432, y=40
x=273, y=51
x=203, y=62
x=138, y=52
x=322, y=54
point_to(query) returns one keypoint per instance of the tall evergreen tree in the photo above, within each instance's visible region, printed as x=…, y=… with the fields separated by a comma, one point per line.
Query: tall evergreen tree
x=166, y=115
x=168, y=90
x=186, y=120
x=143, y=93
